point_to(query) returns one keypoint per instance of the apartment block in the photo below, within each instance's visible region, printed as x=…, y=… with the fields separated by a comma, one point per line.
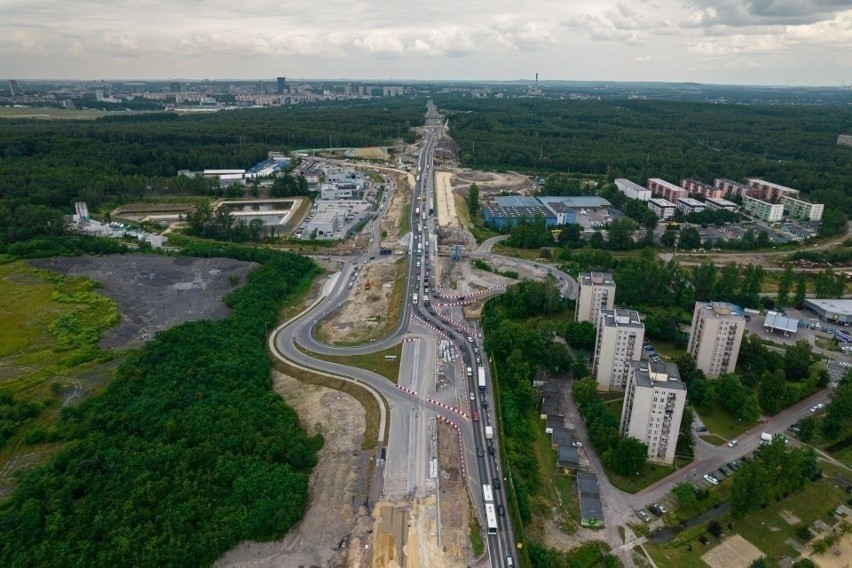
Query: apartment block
x=632, y=190
x=715, y=337
x=802, y=209
x=619, y=342
x=761, y=209
x=666, y=190
x=596, y=292
x=730, y=187
x=842, y=139
x=695, y=187
x=653, y=407
x=689, y=205
x=662, y=208
x=772, y=192
x=719, y=203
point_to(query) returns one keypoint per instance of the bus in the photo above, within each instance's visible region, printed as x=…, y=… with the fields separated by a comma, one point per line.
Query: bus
x=487, y=494
x=491, y=518
x=481, y=376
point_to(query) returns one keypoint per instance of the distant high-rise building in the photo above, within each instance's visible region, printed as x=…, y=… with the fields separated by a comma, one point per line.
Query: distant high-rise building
x=619, y=342
x=281, y=84
x=14, y=90
x=654, y=398
x=174, y=87
x=99, y=94
x=596, y=292
x=715, y=337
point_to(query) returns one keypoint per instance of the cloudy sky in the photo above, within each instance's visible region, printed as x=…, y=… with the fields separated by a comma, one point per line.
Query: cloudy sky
x=783, y=42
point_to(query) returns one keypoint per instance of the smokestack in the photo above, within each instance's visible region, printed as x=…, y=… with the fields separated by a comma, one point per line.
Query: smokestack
x=536, y=79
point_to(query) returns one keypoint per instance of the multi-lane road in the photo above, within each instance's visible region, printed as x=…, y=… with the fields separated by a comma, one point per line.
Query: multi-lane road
x=411, y=410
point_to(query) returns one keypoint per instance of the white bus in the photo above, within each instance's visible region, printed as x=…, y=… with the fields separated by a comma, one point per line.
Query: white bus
x=491, y=518
x=487, y=494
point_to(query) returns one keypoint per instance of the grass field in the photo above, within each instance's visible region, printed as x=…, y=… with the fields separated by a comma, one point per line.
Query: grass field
x=724, y=424
x=375, y=362
x=647, y=475
x=53, y=113
x=713, y=439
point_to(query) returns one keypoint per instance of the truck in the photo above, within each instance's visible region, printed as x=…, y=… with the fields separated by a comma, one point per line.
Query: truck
x=481, y=375
x=414, y=298
x=766, y=439
x=423, y=215
x=489, y=433
x=417, y=211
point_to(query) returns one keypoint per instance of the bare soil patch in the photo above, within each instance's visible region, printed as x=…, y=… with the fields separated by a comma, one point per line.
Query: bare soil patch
x=446, y=203
x=733, y=552
x=401, y=196
x=156, y=292
x=454, y=517
x=322, y=538
x=368, y=307
x=491, y=182
x=789, y=517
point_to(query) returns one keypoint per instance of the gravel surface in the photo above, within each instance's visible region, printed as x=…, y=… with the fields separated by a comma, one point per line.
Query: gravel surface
x=155, y=292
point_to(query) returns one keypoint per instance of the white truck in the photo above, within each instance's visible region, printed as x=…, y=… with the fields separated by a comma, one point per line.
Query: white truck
x=414, y=298
x=766, y=439
x=481, y=378
x=489, y=433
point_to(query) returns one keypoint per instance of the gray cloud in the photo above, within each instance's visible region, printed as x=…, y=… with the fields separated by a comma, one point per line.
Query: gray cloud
x=764, y=12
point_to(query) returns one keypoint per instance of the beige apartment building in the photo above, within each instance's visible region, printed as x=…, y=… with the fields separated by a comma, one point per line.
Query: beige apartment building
x=715, y=337
x=596, y=292
x=619, y=342
x=653, y=407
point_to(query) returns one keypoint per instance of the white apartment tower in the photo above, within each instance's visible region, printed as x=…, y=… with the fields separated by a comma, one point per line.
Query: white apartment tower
x=653, y=407
x=715, y=337
x=619, y=342
x=596, y=292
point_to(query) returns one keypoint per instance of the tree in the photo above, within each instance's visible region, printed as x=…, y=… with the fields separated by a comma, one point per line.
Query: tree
x=785, y=284
x=771, y=391
x=715, y=528
x=669, y=236
x=686, y=439
x=807, y=428
x=827, y=284
x=833, y=222
x=473, y=201
x=684, y=492
x=838, y=411
x=627, y=457
x=571, y=235
x=704, y=282
x=689, y=238
x=801, y=290
x=759, y=563
x=597, y=240
x=798, y=359
x=581, y=335
x=621, y=234
x=728, y=283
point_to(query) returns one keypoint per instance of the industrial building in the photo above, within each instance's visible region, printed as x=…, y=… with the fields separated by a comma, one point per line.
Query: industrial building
x=596, y=292
x=508, y=210
x=653, y=407
x=802, y=209
x=666, y=190
x=328, y=221
x=715, y=337
x=770, y=212
x=662, y=208
x=632, y=190
x=619, y=342
x=837, y=311
x=689, y=205
x=719, y=203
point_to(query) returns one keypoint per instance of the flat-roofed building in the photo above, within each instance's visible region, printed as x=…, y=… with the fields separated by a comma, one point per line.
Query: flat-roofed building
x=596, y=292
x=719, y=203
x=772, y=192
x=834, y=310
x=654, y=399
x=632, y=190
x=731, y=187
x=715, y=337
x=695, y=187
x=689, y=205
x=844, y=140
x=666, y=190
x=619, y=342
x=802, y=209
x=662, y=208
x=761, y=209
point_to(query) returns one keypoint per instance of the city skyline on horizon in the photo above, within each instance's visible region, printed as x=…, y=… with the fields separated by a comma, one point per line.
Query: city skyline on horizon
x=726, y=42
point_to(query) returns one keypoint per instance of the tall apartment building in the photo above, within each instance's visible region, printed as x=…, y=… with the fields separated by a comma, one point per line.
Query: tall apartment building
x=666, y=190
x=695, y=187
x=731, y=188
x=802, y=209
x=761, y=209
x=632, y=190
x=772, y=191
x=596, y=292
x=653, y=407
x=715, y=337
x=280, y=84
x=619, y=342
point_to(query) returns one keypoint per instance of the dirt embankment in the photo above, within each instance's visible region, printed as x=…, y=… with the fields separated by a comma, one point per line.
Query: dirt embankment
x=390, y=223
x=491, y=182
x=332, y=520
x=368, y=309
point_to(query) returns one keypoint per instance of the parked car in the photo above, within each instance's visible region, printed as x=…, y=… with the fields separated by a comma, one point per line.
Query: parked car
x=734, y=465
x=701, y=429
x=817, y=406
x=733, y=443
x=658, y=509
x=711, y=479
x=644, y=516
x=793, y=427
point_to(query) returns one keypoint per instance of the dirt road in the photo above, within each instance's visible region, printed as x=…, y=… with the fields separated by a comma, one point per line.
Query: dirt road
x=401, y=197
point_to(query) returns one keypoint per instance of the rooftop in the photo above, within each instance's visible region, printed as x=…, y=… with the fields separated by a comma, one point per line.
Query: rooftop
x=628, y=318
x=779, y=322
x=650, y=374
x=596, y=278
x=660, y=202
x=837, y=306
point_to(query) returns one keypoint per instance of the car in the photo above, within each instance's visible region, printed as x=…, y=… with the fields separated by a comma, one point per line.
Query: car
x=734, y=465
x=490, y=450
x=711, y=479
x=657, y=509
x=472, y=396
x=484, y=402
x=501, y=510
x=469, y=339
x=475, y=416
x=723, y=473
x=701, y=429
x=496, y=483
x=577, y=444
x=644, y=516
x=479, y=452
x=733, y=443
x=817, y=406
x=794, y=427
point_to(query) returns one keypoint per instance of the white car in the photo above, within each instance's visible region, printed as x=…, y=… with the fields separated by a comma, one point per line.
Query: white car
x=817, y=406
x=712, y=480
x=733, y=443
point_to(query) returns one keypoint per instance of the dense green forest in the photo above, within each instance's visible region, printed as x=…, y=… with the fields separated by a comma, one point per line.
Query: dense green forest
x=186, y=453
x=46, y=165
x=791, y=145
